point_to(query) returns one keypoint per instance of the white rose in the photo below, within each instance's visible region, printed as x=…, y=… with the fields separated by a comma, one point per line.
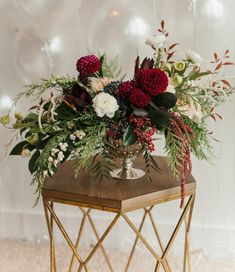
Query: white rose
x=156, y=41
x=193, y=57
x=105, y=104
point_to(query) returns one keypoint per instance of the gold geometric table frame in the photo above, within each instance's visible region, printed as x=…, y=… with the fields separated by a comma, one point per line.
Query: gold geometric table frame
x=161, y=260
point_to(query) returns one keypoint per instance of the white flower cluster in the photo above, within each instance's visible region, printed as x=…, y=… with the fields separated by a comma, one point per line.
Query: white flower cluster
x=105, y=104
x=156, y=41
x=194, y=57
x=57, y=155
x=80, y=134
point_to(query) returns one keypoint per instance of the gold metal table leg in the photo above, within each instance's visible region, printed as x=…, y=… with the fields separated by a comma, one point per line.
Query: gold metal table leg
x=77, y=241
x=135, y=242
x=160, y=260
x=64, y=233
x=98, y=238
x=49, y=221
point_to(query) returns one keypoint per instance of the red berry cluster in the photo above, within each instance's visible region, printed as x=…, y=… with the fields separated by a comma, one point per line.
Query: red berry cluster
x=88, y=65
x=144, y=130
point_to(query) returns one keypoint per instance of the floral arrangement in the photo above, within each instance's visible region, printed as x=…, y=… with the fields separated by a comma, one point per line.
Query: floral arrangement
x=98, y=111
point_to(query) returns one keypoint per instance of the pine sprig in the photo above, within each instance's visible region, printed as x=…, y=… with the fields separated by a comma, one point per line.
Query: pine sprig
x=37, y=89
x=103, y=167
x=88, y=147
x=150, y=163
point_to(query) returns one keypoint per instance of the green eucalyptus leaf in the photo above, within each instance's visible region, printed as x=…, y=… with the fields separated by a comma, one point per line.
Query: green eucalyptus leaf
x=32, y=162
x=166, y=100
x=159, y=118
x=129, y=137
x=195, y=74
x=19, y=147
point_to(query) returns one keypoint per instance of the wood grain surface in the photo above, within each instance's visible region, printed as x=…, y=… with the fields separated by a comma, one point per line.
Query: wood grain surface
x=115, y=194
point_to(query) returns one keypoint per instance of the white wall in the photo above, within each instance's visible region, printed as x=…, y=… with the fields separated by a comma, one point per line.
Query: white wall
x=35, y=43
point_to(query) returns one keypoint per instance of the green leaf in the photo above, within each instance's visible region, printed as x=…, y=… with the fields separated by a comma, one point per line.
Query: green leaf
x=19, y=147
x=31, y=117
x=101, y=65
x=166, y=100
x=129, y=137
x=32, y=161
x=159, y=118
x=195, y=74
x=65, y=111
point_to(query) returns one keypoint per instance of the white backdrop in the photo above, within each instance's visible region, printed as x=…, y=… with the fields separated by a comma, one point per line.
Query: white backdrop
x=39, y=38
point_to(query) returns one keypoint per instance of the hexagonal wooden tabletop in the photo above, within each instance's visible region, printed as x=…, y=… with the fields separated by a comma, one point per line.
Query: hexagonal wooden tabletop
x=115, y=194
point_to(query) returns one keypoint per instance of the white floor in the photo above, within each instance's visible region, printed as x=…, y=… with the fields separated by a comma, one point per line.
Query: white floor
x=20, y=256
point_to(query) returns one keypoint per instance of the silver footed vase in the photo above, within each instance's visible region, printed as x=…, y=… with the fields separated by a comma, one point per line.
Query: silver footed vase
x=128, y=155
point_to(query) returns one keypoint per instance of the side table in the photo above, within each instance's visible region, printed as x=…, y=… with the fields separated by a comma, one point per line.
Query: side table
x=119, y=197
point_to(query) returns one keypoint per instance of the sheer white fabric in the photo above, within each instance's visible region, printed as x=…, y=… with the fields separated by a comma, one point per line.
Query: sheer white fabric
x=39, y=38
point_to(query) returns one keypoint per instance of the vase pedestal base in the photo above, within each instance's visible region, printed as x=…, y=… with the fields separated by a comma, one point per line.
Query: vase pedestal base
x=121, y=174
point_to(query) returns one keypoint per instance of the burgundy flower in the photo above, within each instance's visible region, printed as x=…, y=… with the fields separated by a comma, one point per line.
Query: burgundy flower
x=88, y=65
x=153, y=81
x=126, y=87
x=80, y=93
x=139, y=99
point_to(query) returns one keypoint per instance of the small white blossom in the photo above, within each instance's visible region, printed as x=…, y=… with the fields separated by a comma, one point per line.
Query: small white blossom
x=45, y=173
x=192, y=110
x=60, y=156
x=156, y=41
x=80, y=134
x=50, y=159
x=176, y=80
x=51, y=172
x=105, y=104
x=63, y=146
x=194, y=57
x=25, y=153
x=55, y=162
x=72, y=137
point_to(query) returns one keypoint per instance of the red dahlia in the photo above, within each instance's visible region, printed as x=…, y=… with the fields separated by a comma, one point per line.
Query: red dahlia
x=139, y=99
x=153, y=81
x=88, y=65
x=126, y=87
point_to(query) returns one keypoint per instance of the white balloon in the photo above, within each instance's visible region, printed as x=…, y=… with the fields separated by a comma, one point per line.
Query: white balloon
x=36, y=57
x=119, y=28
x=45, y=15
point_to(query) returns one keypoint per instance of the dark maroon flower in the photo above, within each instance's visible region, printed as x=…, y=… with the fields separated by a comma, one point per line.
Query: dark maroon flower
x=81, y=94
x=88, y=65
x=126, y=87
x=139, y=99
x=153, y=81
